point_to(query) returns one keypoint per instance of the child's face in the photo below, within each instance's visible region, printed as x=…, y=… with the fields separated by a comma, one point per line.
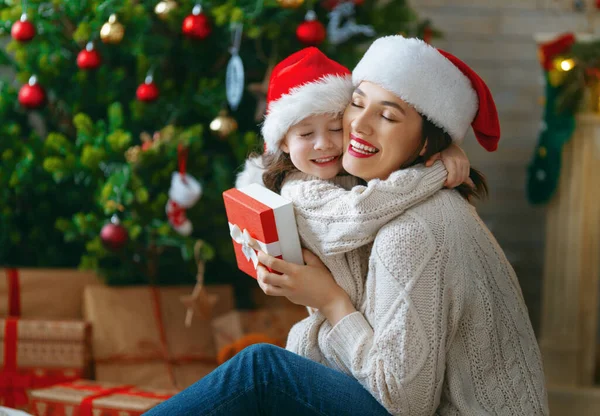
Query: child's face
x=315, y=145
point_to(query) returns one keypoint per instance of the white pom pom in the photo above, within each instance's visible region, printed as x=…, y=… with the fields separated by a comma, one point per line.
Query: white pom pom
x=185, y=190
x=252, y=173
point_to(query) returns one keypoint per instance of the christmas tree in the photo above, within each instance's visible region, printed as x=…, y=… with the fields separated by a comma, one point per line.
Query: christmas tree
x=101, y=102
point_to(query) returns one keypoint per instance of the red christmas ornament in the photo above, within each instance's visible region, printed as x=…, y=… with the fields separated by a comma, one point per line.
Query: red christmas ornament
x=148, y=91
x=32, y=95
x=22, y=30
x=597, y=4
x=89, y=58
x=113, y=235
x=196, y=25
x=311, y=32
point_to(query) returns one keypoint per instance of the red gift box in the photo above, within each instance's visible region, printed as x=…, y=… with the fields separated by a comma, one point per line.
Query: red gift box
x=36, y=353
x=255, y=211
x=88, y=398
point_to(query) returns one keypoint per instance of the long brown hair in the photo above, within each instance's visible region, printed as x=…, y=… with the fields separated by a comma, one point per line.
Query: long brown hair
x=438, y=140
x=277, y=165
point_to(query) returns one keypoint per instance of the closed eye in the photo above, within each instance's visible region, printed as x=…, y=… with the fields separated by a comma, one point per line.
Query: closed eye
x=355, y=105
x=340, y=129
x=306, y=134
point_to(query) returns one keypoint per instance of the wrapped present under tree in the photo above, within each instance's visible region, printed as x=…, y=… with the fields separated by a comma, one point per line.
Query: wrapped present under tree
x=89, y=398
x=40, y=353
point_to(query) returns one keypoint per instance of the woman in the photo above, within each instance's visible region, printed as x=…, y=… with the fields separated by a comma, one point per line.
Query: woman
x=442, y=327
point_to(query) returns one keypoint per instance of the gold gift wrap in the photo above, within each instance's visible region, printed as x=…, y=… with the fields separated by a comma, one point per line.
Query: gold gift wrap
x=105, y=399
x=40, y=353
x=49, y=344
x=44, y=293
x=140, y=335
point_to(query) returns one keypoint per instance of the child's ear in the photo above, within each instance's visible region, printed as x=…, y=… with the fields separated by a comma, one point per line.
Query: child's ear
x=284, y=146
x=424, y=149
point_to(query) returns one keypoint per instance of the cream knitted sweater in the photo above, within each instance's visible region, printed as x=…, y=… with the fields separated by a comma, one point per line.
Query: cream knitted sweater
x=442, y=327
x=349, y=269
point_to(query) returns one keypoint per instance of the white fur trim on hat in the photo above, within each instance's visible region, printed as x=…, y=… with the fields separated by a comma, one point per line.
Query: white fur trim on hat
x=185, y=192
x=418, y=74
x=252, y=173
x=329, y=95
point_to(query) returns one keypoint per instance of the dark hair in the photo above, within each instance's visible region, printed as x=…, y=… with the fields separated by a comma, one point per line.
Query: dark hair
x=277, y=165
x=438, y=140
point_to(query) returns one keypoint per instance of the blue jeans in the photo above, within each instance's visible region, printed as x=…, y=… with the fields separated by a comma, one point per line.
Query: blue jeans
x=267, y=380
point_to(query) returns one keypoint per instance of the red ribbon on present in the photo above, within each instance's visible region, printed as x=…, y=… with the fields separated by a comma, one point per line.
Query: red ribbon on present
x=14, y=292
x=15, y=382
x=175, y=213
x=97, y=391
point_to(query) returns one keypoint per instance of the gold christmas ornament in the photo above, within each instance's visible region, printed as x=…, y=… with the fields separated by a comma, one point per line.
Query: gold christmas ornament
x=290, y=4
x=164, y=8
x=223, y=124
x=112, y=31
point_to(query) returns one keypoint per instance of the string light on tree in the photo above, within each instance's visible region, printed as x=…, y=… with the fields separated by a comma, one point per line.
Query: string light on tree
x=311, y=32
x=113, y=235
x=148, y=91
x=290, y=4
x=164, y=8
x=89, y=58
x=223, y=124
x=112, y=31
x=32, y=95
x=566, y=64
x=196, y=25
x=23, y=30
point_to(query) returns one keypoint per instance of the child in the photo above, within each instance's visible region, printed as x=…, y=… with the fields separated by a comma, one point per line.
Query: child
x=308, y=93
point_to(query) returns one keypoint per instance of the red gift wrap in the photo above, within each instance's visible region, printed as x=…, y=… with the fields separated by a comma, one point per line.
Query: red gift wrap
x=88, y=398
x=36, y=353
x=255, y=212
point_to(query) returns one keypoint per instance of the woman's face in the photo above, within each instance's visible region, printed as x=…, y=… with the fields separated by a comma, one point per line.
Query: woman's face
x=315, y=145
x=381, y=133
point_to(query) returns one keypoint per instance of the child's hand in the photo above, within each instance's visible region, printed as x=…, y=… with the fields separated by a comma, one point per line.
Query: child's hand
x=457, y=164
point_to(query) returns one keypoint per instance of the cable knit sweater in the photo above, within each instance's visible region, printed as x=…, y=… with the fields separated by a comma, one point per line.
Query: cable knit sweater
x=442, y=327
x=349, y=269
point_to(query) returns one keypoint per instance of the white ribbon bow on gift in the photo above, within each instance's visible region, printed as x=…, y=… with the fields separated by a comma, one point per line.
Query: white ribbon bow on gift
x=244, y=238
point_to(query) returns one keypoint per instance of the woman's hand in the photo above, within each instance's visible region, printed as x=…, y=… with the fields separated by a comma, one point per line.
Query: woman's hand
x=457, y=164
x=310, y=285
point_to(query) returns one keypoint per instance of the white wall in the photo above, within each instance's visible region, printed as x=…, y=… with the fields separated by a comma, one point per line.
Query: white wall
x=495, y=37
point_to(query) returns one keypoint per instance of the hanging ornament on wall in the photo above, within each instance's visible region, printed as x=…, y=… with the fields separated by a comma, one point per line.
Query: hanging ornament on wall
x=164, y=8
x=234, y=77
x=32, y=95
x=340, y=33
x=23, y=30
x=112, y=31
x=148, y=91
x=311, y=32
x=223, y=124
x=113, y=235
x=183, y=194
x=89, y=58
x=196, y=25
x=290, y=4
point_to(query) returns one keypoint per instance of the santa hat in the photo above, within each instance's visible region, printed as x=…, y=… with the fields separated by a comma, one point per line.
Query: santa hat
x=304, y=84
x=437, y=84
